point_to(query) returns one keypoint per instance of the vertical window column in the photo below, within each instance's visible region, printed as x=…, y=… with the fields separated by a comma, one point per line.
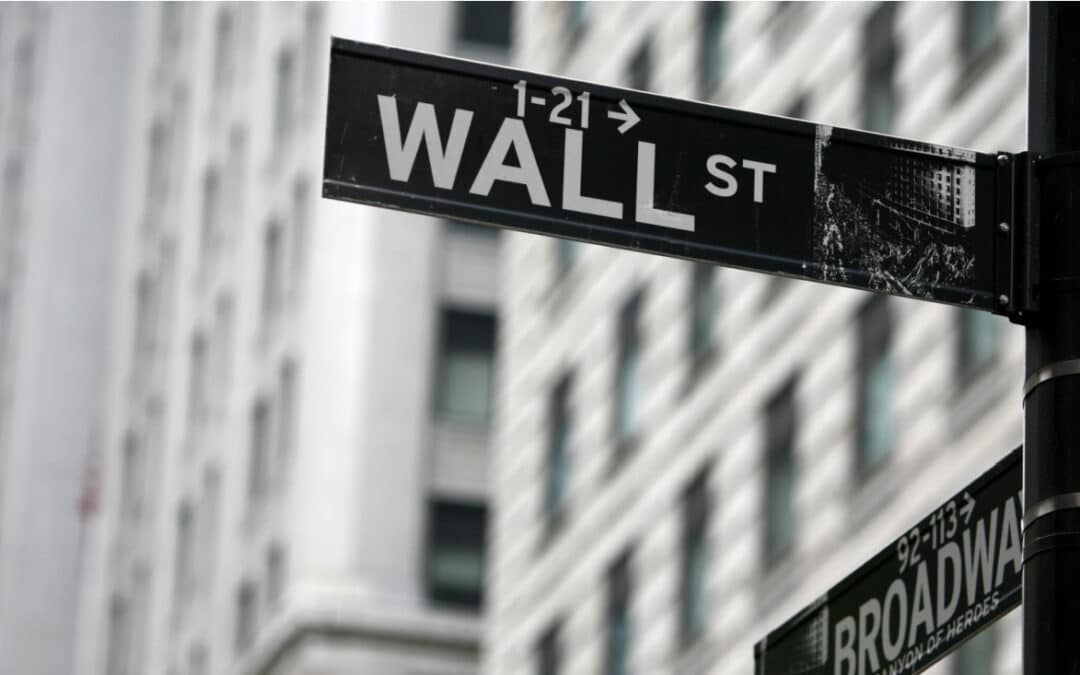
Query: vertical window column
x=558, y=455
x=780, y=473
x=619, y=627
x=693, y=588
x=879, y=88
x=628, y=377
x=876, y=429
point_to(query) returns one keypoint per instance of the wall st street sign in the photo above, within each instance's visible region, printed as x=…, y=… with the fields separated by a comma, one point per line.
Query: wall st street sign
x=944, y=580
x=465, y=140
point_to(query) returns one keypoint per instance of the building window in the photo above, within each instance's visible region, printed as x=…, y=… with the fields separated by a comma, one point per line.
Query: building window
x=208, y=530
x=567, y=252
x=577, y=19
x=455, y=561
x=259, y=461
x=197, y=383
x=703, y=308
x=286, y=432
x=130, y=476
x=693, y=592
x=182, y=571
x=316, y=43
x=639, y=69
x=300, y=232
x=548, y=653
x=978, y=338
x=283, y=94
x=877, y=386
x=711, y=58
x=558, y=454
x=211, y=214
x=978, y=28
x=619, y=629
x=236, y=167
x=879, y=88
x=246, y=617
x=118, y=651
x=157, y=175
x=976, y=656
x=223, y=50
x=780, y=473
x=628, y=384
x=466, y=367
x=275, y=574
x=146, y=321
x=272, y=268
x=489, y=24
x=198, y=660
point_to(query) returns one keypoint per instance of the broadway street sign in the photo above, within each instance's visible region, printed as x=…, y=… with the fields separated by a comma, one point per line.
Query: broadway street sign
x=944, y=580
x=542, y=154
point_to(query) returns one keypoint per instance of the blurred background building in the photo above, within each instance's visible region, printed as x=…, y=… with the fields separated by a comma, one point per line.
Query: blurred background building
x=65, y=79
x=686, y=456
x=247, y=430
x=300, y=392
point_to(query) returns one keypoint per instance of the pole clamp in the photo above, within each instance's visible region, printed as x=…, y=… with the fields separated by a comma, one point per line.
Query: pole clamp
x=1049, y=372
x=1062, y=502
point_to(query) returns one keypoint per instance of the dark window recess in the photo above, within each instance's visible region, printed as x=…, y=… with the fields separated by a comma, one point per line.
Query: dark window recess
x=693, y=593
x=567, y=252
x=703, y=308
x=639, y=69
x=577, y=19
x=876, y=428
x=780, y=472
x=797, y=109
x=485, y=23
x=978, y=337
x=558, y=454
x=469, y=229
x=548, y=653
x=455, y=559
x=879, y=88
x=711, y=57
x=246, y=615
x=466, y=365
x=976, y=656
x=978, y=28
x=628, y=378
x=619, y=629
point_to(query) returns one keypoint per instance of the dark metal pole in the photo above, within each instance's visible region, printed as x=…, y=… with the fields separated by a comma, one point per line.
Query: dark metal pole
x=1051, y=604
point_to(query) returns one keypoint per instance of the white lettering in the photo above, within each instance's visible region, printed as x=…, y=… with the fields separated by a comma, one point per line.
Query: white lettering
x=511, y=134
x=759, y=168
x=1008, y=552
x=400, y=157
x=712, y=165
x=646, y=212
x=980, y=559
x=946, y=608
x=922, y=607
x=844, y=646
x=869, y=625
x=896, y=595
x=572, y=199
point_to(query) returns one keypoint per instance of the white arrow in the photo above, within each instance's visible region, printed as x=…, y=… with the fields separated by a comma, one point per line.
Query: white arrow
x=966, y=509
x=628, y=116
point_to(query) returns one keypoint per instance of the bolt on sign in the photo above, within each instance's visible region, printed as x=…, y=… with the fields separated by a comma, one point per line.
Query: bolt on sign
x=542, y=154
x=947, y=578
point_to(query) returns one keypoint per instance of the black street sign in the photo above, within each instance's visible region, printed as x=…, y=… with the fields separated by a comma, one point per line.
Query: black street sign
x=543, y=154
x=941, y=582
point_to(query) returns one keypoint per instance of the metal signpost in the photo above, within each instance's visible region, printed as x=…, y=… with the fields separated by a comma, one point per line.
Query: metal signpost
x=995, y=232
x=543, y=154
x=939, y=583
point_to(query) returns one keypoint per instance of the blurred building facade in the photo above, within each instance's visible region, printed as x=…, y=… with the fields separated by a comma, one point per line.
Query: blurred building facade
x=64, y=92
x=686, y=456
x=296, y=445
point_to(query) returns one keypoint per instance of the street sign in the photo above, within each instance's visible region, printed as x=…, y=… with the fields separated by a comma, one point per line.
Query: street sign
x=553, y=156
x=941, y=582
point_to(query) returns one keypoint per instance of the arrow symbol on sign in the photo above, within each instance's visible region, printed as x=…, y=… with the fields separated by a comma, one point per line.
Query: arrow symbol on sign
x=628, y=116
x=966, y=509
